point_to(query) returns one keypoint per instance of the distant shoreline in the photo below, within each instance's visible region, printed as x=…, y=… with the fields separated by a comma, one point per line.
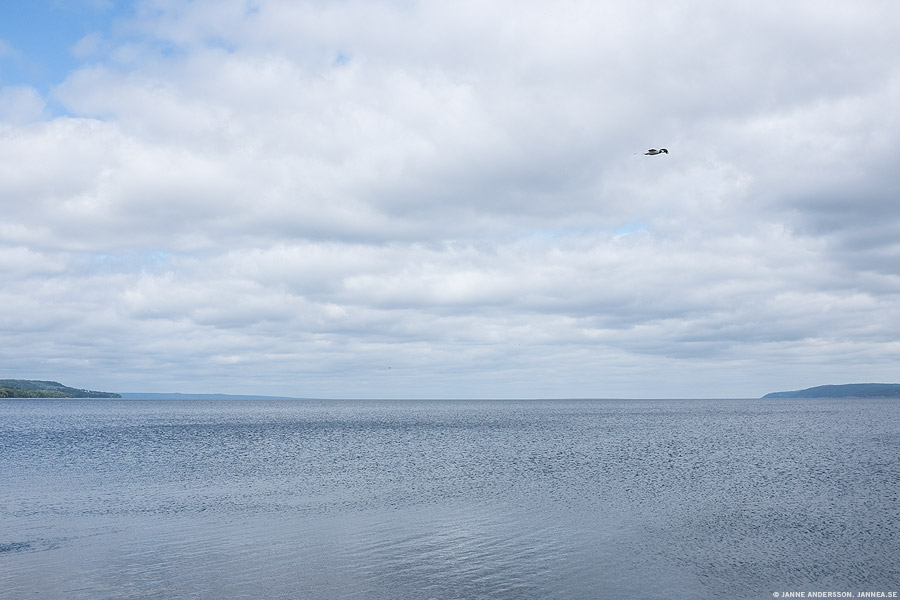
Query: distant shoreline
x=847, y=390
x=28, y=388
x=34, y=388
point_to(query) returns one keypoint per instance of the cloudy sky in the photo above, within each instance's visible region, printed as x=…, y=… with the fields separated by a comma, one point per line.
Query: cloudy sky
x=414, y=198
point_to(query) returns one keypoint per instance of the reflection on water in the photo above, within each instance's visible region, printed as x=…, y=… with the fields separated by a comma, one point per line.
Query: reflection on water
x=447, y=499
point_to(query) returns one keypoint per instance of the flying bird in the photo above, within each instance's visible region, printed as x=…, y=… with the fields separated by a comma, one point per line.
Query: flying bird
x=653, y=151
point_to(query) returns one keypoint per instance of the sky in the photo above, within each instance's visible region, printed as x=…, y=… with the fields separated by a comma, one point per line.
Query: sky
x=426, y=199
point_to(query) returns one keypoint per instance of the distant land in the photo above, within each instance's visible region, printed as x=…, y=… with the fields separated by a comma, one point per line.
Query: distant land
x=848, y=390
x=26, y=388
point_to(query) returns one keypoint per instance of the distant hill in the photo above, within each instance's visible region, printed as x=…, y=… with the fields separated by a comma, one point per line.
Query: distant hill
x=849, y=390
x=26, y=388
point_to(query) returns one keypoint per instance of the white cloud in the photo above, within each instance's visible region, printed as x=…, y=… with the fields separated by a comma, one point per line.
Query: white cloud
x=20, y=104
x=291, y=197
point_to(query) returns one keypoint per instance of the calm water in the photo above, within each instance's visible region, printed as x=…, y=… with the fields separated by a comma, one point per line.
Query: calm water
x=448, y=499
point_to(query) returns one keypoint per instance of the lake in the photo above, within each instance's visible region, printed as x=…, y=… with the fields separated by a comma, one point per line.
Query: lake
x=543, y=499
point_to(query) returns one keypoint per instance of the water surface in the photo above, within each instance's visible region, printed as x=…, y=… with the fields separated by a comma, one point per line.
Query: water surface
x=447, y=499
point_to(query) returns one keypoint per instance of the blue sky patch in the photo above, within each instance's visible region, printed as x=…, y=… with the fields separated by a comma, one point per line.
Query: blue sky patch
x=37, y=37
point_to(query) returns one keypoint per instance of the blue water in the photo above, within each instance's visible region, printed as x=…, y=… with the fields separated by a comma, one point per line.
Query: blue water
x=448, y=499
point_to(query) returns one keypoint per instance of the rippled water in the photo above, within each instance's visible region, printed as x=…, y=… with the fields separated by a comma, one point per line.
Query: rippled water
x=447, y=499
